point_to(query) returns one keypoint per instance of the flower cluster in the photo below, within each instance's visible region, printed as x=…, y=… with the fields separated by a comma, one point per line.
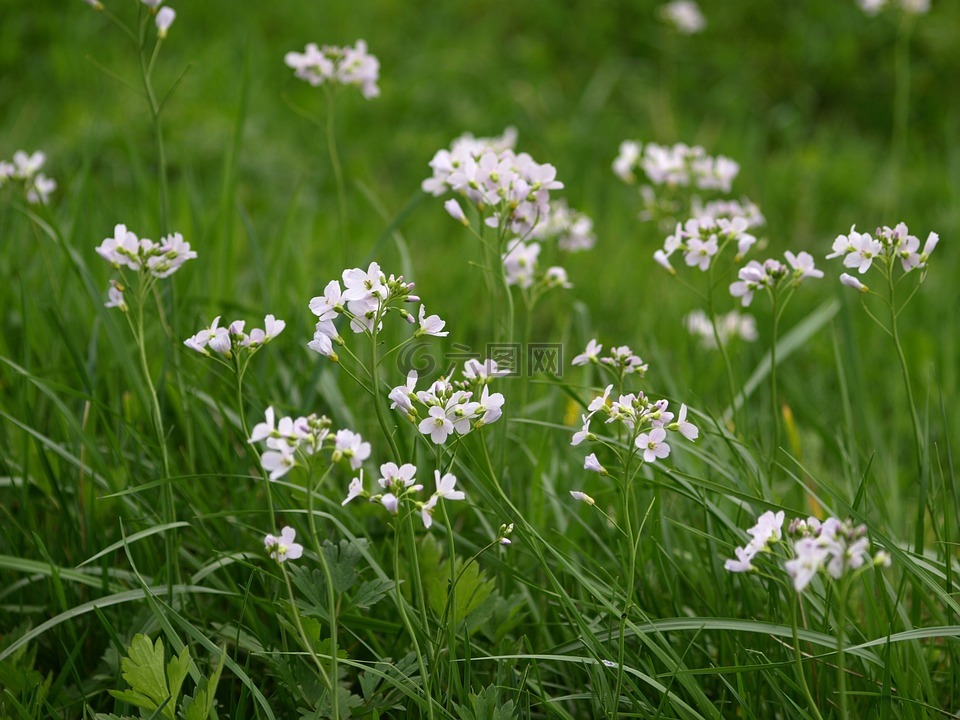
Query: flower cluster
x=729, y=326
x=860, y=250
x=292, y=441
x=520, y=267
x=701, y=239
x=451, y=408
x=491, y=176
x=337, y=65
x=910, y=7
x=684, y=15
x=714, y=210
x=768, y=530
x=771, y=273
x=838, y=547
x=231, y=340
x=283, y=548
x=366, y=297
x=645, y=422
x=621, y=360
x=679, y=166
x=157, y=259
x=399, y=489
x=25, y=169
x=572, y=230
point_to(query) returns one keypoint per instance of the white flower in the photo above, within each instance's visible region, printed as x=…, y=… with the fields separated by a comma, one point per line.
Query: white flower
x=851, y=281
x=687, y=429
x=582, y=497
x=396, y=477
x=591, y=353
x=684, y=15
x=40, y=190
x=699, y=253
x=165, y=18
x=584, y=432
x=26, y=166
x=455, y=211
x=556, y=276
x=653, y=445
x=328, y=305
x=627, y=157
x=871, y=7
x=202, y=339
x=391, y=502
x=742, y=563
x=343, y=65
x=445, y=487
x=803, y=266
x=593, y=465
x=115, y=299
x=865, y=249
x=811, y=555
x=915, y=7
x=475, y=371
x=437, y=426
x=351, y=446
x=355, y=489
x=401, y=394
x=490, y=404
x=431, y=325
x=266, y=429
x=283, y=548
x=278, y=462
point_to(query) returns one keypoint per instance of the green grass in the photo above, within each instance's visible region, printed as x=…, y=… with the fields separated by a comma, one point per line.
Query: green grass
x=91, y=553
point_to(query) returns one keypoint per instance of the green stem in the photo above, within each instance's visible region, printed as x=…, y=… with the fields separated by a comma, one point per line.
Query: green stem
x=841, y=647
x=337, y=172
x=303, y=635
x=333, y=683
x=167, y=503
x=914, y=418
x=408, y=624
x=775, y=406
x=722, y=347
x=145, y=72
x=377, y=396
x=246, y=436
x=798, y=657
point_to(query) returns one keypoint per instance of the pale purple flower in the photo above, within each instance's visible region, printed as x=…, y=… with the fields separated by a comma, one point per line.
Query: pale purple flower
x=687, y=429
x=355, y=489
x=455, y=211
x=165, y=18
x=350, y=445
x=278, y=462
x=115, y=299
x=591, y=353
x=445, y=487
x=283, y=548
x=437, y=426
x=851, y=281
x=593, y=465
x=490, y=405
x=653, y=445
x=803, y=266
x=582, y=497
x=431, y=325
x=397, y=477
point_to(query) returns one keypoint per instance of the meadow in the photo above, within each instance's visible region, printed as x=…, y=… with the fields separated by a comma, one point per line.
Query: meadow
x=532, y=391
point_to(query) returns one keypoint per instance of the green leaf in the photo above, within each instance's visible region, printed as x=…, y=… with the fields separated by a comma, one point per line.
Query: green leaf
x=371, y=592
x=473, y=587
x=151, y=686
x=343, y=559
